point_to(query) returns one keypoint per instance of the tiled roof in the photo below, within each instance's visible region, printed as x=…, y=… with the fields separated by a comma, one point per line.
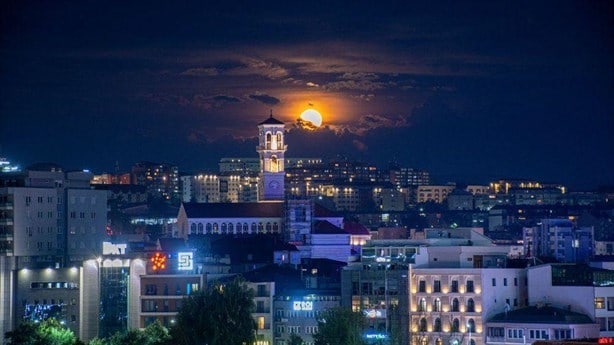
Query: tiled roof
x=271, y=121
x=324, y=227
x=354, y=228
x=234, y=210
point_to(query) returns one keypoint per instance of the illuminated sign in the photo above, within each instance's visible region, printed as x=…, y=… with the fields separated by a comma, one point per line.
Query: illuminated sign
x=185, y=261
x=374, y=313
x=158, y=261
x=109, y=248
x=376, y=336
x=605, y=340
x=303, y=305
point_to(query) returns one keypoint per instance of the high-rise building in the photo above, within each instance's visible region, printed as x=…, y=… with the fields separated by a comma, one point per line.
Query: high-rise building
x=51, y=221
x=559, y=239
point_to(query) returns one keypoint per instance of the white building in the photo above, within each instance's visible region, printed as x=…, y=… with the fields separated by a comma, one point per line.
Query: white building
x=436, y=193
x=539, y=323
x=271, y=149
x=576, y=288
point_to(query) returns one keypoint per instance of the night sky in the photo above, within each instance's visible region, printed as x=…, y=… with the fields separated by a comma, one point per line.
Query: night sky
x=470, y=91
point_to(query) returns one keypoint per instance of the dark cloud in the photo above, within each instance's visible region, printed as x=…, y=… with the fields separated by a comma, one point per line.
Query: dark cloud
x=265, y=99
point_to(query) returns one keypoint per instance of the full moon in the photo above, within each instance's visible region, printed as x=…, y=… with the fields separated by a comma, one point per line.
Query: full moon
x=312, y=116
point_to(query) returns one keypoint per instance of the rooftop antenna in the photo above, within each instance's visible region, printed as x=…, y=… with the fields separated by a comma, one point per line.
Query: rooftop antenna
x=271, y=112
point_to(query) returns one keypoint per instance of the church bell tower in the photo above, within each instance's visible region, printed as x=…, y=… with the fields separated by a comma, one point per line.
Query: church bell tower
x=271, y=148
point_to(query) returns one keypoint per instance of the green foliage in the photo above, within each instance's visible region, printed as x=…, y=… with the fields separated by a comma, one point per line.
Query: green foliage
x=220, y=314
x=48, y=332
x=154, y=334
x=340, y=326
x=295, y=340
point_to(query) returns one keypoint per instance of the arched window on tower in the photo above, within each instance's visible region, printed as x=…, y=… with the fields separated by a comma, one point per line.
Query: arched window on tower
x=268, y=141
x=200, y=228
x=231, y=228
x=254, y=228
x=193, y=228
x=268, y=227
x=209, y=227
x=275, y=227
x=245, y=228
x=260, y=228
x=224, y=228
x=280, y=144
x=274, y=164
x=216, y=228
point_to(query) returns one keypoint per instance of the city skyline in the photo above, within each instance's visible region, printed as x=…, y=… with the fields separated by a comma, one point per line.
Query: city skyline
x=471, y=92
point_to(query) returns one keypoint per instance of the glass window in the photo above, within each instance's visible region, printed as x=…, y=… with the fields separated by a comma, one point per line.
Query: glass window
x=469, y=285
x=422, y=286
x=455, y=304
x=454, y=287
x=599, y=302
x=437, y=286
x=494, y=282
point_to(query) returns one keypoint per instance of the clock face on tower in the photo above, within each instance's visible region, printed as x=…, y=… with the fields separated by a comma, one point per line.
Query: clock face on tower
x=274, y=185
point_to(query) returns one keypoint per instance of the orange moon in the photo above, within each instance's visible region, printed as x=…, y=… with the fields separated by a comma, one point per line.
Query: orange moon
x=312, y=116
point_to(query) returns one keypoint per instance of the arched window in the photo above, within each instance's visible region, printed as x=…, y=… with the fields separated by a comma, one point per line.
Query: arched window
x=209, y=228
x=231, y=228
x=455, y=325
x=437, y=304
x=216, y=229
x=274, y=164
x=437, y=325
x=268, y=141
x=455, y=304
x=224, y=228
x=245, y=228
x=424, y=341
x=280, y=144
x=422, y=305
x=254, y=228
x=472, y=342
x=470, y=325
x=200, y=228
x=422, y=327
x=470, y=306
x=275, y=227
x=193, y=228
x=438, y=341
x=260, y=228
x=268, y=227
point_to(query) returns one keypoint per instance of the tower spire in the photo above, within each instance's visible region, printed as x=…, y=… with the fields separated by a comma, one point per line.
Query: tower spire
x=271, y=113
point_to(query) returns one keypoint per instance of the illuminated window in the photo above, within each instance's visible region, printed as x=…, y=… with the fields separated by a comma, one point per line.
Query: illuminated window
x=437, y=304
x=260, y=322
x=422, y=305
x=599, y=303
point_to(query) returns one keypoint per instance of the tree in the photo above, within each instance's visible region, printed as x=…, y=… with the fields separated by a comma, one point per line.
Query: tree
x=48, y=332
x=295, y=340
x=219, y=314
x=340, y=326
x=154, y=334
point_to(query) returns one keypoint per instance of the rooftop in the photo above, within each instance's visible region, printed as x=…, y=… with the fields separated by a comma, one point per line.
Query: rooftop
x=541, y=314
